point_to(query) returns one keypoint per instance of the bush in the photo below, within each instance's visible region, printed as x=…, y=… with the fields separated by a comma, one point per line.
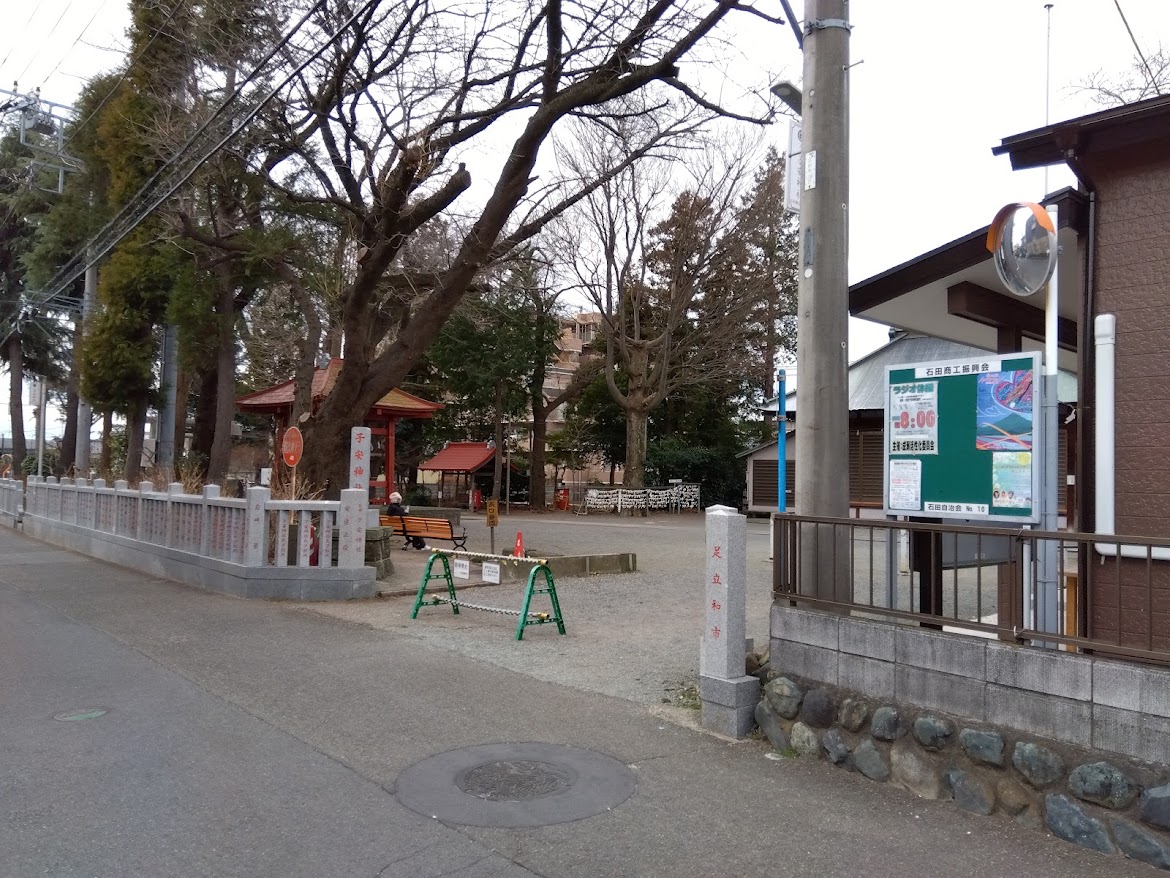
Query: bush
x=721, y=475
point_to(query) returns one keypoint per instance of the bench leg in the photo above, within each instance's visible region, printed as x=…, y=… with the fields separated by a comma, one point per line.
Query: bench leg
x=460, y=542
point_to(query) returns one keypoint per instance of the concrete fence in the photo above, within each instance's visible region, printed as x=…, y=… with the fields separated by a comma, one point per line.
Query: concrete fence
x=234, y=546
x=11, y=497
x=1086, y=701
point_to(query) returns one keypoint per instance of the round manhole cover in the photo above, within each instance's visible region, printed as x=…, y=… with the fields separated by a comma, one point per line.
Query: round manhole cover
x=515, y=785
x=517, y=780
x=72, y=716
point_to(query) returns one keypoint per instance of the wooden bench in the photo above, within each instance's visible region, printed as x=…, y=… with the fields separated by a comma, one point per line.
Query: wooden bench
x=410, y=526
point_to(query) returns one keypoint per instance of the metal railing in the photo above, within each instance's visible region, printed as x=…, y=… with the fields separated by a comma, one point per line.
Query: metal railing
x=1109, y=594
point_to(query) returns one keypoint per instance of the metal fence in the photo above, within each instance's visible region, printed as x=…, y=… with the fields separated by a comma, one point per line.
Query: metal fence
x=1106, y=594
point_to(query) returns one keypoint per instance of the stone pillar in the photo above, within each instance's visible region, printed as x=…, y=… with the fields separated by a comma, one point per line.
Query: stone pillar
x=351, y=529
x=728, y=696
x=210, y=492
x=256, y=528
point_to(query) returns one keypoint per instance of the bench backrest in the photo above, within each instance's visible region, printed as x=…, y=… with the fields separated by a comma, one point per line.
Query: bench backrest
x=417, y=526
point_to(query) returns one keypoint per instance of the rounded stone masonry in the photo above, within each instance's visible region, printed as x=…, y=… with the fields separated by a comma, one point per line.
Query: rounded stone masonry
x=770, y=725
x=1154, y=807
x=819, y=709
x=1066, y=820
x=914, y=771
x=1102, y=784
x=971, y=793
x=933, y=732
x=854, y=713
x=1039, y=765
x=982, y=746
x=1137, y=844
x=836, y=748
x=784, y=696
x=887, y=724
x=868, y=759
x=805, y=741
x=1013, y=797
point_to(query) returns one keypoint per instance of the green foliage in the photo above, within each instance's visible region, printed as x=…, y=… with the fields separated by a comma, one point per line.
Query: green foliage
x=49, y=461
x=720, y=473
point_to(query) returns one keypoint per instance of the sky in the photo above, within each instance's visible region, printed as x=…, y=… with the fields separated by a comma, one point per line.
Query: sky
x=934, y=86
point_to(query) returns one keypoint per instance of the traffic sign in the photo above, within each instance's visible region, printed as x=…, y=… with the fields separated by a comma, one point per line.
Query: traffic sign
x=291, y=446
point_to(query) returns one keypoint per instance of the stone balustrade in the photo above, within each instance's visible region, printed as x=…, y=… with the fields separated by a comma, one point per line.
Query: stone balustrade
x=236, y=546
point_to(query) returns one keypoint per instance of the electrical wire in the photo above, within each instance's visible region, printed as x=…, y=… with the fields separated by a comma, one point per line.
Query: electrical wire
x=47, y=37
x=146, y=200
x=73, y=45
x=76, y=130
x=1141, y=56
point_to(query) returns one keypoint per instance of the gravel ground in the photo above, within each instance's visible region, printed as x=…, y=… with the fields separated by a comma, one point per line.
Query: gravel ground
x=634, y=636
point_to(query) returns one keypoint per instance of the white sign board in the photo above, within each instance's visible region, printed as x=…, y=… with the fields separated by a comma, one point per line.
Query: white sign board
x=461, y=569
x=793, y=169
x=491, y=571
x=905, y=485
x=359, y=458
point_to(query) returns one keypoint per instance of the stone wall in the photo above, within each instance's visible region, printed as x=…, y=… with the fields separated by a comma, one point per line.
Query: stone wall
x=1056, y=741
x=1103, y=704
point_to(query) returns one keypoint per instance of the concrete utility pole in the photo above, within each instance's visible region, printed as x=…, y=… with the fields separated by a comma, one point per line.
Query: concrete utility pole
x=822, y=353
x=84, y=410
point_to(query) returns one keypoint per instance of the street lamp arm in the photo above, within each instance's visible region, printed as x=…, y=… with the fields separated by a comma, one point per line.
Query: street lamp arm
x=793, y=23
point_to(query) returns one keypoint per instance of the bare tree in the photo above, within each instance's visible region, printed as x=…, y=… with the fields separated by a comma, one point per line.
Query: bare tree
x=667, y=284
x=1146, y=77
x=381, y=132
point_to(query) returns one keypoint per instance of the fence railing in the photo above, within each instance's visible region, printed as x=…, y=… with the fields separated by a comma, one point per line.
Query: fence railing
x=11, y=497
x=256, y=531
x=673, y=498
x=1104, y=593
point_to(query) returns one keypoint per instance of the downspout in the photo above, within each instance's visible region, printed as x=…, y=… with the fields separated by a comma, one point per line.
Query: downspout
x=1105, y=332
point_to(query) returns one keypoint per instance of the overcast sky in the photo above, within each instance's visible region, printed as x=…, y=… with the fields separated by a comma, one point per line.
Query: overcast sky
x=935, y=86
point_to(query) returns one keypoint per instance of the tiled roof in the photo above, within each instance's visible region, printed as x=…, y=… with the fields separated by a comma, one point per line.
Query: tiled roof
x=280, y=396
x=460, y=457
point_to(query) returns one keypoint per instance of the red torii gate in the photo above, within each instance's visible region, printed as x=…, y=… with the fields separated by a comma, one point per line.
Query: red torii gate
x=277, y=401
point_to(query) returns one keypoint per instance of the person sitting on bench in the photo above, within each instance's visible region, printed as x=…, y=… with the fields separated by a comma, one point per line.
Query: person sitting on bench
x=396, y=508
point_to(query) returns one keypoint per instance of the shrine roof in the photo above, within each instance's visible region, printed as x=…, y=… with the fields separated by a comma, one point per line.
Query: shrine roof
x=279, y=397
x=460, y=457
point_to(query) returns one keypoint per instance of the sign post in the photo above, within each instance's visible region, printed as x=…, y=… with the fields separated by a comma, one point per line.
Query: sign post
x=493, y=521
x=291, y=448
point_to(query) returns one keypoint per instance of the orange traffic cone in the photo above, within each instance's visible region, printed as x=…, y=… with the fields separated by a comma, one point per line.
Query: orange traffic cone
x=518, y=550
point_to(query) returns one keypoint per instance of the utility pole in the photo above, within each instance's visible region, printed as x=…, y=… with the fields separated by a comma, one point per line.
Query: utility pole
x=165, y=453
x=822, y=413
x=84, y=410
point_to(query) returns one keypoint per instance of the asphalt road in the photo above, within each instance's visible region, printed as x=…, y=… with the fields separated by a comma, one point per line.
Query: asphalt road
x=259, y=739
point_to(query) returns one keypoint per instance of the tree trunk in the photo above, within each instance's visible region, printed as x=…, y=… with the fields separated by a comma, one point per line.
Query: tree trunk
x=635, y=474
x=536, y=465
x=182, y=393
x=135, y=429
x=69, y=439
x=219, y=461
x=498, y=472
x=107, y=430
x=16, y=400
x=204, y=431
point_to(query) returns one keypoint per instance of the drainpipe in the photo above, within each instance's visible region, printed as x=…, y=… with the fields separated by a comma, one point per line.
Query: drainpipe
x=1105, y=332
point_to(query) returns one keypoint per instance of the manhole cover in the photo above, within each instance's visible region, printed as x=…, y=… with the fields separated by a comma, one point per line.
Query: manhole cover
x=515, y=785
x=518, y=780
x=72, y=716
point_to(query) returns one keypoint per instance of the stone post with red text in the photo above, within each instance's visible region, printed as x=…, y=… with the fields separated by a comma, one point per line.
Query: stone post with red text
x=728, y=696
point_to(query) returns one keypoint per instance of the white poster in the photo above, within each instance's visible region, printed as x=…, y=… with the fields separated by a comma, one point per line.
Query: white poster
x=913, y=423
x=491, y=571
x=906, y=485
x=462, y=568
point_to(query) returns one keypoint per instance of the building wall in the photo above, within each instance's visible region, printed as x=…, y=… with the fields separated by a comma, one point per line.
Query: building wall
x=1132, y=281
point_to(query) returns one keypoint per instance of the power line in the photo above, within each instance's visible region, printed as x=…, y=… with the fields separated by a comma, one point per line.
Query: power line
x=47, y=37
x=1146, y=64
x=153, y=194
x=78, y=127
x=73, y=45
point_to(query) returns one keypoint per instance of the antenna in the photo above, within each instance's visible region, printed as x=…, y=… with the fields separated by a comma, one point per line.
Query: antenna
x=1047, y=80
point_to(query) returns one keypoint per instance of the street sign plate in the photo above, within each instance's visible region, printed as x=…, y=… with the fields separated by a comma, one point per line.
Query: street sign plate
x=291, y=446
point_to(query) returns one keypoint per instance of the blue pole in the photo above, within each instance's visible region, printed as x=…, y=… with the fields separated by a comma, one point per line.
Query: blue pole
x=782, y=445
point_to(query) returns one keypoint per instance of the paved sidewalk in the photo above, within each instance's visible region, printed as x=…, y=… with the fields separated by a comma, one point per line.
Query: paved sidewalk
x=259, y=739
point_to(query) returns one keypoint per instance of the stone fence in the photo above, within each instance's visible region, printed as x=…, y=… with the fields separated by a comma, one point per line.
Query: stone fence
x=11, y=497
x=1076, y=744
x=242, y=547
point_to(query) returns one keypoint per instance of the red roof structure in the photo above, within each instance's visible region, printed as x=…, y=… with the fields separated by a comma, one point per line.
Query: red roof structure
x=278, y=399
x=382, y=417
x=460, y=457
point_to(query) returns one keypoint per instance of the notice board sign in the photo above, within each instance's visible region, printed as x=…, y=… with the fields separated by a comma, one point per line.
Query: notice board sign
x=964, y=439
